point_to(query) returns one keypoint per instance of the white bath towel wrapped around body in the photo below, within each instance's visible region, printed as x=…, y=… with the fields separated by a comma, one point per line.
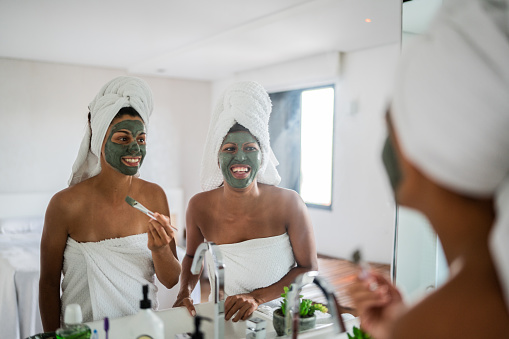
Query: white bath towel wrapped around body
x=254, y=263
x=106, y=277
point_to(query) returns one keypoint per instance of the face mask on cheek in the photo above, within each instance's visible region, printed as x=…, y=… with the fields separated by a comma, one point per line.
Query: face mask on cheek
x=120, y=156
x=391, y=164
x=234, y=165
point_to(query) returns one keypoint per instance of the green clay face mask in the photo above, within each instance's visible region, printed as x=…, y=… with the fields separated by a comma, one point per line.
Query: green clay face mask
x=239, y=159
x=125, y=147
x=391, y=164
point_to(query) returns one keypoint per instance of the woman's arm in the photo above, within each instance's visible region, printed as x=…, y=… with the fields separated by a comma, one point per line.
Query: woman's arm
x=194, y=238
x=53, y=242
x=161, y=241
x=300, y=231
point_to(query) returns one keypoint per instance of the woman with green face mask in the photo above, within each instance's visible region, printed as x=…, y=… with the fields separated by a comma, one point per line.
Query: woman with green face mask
x=105, y=249
x=447, y=156
x=264, y=232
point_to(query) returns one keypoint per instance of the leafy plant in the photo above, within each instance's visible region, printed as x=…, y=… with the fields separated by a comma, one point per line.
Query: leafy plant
x=358, y=334
x=306, y=308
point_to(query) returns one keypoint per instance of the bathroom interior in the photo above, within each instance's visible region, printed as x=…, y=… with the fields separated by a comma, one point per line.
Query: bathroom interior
x=54, y=55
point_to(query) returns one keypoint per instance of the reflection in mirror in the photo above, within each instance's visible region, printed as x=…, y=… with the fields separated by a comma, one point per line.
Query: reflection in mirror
x=188, y=54
x=419, y=264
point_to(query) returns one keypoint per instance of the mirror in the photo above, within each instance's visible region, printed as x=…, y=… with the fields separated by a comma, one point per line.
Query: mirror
x=283, y=45
x=419, y=264
x=55, y=57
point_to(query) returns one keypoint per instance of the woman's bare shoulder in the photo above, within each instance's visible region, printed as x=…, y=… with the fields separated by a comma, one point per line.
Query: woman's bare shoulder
x=279, y=192
x=67, y=205
x=205, y=198
x=71, y=196
x=148, y=190
x=283, y=196
x=204, y=204
x=146, y=186
x=150, y=194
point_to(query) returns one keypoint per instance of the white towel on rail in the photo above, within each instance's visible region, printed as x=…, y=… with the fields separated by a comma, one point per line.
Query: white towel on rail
x=106, y=277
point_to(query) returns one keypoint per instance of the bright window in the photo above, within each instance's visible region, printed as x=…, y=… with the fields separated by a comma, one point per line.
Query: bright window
x=316, y=146
x=301, y=131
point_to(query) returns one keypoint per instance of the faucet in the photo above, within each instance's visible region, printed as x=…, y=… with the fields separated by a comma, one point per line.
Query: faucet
x=218, y=282
x=292, y=317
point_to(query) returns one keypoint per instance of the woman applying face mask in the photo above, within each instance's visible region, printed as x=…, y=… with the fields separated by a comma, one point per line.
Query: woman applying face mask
x=264, y=232
x=106, y=249
x=447, y=156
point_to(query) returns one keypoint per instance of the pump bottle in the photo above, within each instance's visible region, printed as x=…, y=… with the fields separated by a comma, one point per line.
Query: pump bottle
x=146, y=324
x=73, y=327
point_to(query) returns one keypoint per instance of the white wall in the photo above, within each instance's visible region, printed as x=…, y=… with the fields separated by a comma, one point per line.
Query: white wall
x=44, y=111
x=363, y=210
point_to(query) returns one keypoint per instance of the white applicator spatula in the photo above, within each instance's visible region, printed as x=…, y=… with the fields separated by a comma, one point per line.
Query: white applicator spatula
x=142, y=209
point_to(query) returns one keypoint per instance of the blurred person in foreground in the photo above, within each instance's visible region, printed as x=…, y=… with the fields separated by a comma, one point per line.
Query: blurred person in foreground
x=447, y=156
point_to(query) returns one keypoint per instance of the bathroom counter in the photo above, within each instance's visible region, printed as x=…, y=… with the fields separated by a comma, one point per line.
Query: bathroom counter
x=177, y=321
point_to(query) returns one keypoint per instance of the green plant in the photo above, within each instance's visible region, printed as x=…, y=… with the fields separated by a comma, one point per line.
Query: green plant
x=358, y=334
x=306, y=308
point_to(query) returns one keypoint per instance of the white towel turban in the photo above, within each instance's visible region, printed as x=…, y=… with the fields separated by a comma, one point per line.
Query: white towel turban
x=120, y=92
x=248, y=104
x=451, y=108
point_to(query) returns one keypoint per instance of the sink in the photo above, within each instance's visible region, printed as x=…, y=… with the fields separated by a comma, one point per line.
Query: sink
x=232, y=330
x=177, y=320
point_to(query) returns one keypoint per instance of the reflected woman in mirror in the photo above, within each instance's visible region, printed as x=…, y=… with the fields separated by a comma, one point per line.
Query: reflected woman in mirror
x=106, y=249
x=449, y=141
x=264, y=232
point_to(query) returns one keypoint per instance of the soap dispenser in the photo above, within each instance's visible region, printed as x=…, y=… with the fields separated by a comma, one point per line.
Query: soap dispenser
x=146, y=324
x=73, y=327
x=197, y=322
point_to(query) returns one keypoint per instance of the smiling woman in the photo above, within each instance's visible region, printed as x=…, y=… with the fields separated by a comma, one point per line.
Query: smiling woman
x=240, y=157
x=90, y=221
x=125, y=147
x=263, y=231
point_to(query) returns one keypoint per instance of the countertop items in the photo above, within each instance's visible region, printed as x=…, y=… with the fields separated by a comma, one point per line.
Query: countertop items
x=178, y=321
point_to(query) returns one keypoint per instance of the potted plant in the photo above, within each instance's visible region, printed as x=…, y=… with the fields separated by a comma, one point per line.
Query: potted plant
x=307, y=317
x=358, y=334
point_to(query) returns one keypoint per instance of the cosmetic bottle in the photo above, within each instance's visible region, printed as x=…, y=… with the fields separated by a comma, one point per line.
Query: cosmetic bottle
x=197, y=322
x=146, y=324
x=73, y=327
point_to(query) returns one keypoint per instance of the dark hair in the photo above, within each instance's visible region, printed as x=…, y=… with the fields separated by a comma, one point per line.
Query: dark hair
x=127, y=111
x=238, y=128
x=123, y=111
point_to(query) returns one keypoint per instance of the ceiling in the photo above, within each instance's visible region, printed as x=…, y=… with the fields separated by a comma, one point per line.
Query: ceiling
x=193, y=39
